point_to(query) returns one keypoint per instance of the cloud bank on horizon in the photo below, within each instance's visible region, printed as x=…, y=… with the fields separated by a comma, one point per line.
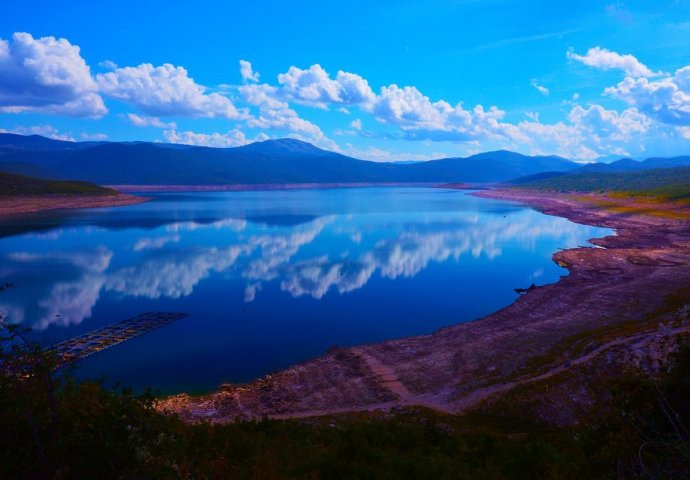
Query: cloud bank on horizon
x=47, y=81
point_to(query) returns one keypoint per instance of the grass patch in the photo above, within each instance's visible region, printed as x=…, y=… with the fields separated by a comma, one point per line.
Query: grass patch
x=649, y=186
x=19, y=185
x=578, y=344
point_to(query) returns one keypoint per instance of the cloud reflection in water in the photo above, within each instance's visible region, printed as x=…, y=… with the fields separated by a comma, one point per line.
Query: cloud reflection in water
x=338, y=252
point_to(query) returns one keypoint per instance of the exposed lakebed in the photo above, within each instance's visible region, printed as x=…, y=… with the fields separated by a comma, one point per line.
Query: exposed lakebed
x=271, y=278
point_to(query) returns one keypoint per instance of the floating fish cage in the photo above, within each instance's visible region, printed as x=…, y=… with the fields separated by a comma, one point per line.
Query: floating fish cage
x=84, y=345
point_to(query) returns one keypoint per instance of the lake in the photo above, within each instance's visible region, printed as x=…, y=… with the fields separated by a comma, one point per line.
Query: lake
x=270, y=278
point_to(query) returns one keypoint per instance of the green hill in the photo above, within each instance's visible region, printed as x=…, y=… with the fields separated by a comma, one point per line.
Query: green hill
x=19, y=185
x=665, y=183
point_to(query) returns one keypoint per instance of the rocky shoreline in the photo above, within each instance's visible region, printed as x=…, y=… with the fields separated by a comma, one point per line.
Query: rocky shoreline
x=623, y=301
x=37, y=203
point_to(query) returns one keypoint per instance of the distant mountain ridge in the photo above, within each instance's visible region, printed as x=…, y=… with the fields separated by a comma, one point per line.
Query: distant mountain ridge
x=630, y=165
x=271, y=161
x=276, y=162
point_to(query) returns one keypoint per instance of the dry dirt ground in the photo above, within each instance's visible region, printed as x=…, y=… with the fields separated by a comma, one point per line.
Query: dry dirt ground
x=28, y=204
x=621, y=305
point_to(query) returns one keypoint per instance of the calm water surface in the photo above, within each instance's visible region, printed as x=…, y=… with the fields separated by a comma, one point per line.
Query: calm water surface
x=271, y=278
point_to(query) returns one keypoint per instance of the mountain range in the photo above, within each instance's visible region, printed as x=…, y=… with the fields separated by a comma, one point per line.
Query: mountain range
x=271, y=161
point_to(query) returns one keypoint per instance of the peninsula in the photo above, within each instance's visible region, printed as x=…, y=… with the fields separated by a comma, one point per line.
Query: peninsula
x=21, y=194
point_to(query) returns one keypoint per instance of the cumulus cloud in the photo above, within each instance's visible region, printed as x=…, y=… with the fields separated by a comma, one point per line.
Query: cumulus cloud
x=46, y=75
x=598, y=121
x=667, y=100
x=423, y=119
x=248, y=75
x=263, y=95
x=314, y=86
x=146, y=121
x=587, y=134
x=165, y=90
x=406, y=107
x=285, y=119
x=276, y=114
x=604, y=59
x=233, y=138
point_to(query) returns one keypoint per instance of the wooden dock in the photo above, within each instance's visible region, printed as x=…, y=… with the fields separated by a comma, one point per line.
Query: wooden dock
x=84, y=345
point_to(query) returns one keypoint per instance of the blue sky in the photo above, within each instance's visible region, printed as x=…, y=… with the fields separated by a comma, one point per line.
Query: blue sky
x=378, y=80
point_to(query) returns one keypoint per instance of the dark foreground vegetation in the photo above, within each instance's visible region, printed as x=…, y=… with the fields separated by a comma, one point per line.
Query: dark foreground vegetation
x=662, y=183
x=19, y=185
x=54, y=426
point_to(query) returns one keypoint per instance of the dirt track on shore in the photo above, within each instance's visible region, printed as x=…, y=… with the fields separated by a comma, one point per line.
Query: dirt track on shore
x=37, y=203
x=614, y=297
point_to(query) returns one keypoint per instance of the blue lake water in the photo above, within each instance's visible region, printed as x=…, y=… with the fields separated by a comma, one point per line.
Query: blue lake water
x=270, y=278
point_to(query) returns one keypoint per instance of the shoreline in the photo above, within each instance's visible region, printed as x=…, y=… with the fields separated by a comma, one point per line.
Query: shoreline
x=616, y=297
x=14, y=206
x=274, y=186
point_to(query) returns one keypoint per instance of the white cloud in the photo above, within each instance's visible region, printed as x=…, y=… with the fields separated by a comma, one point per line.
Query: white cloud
x=604, y=59
x=146, y=121
x=93, y=136
x=667, y=100
x=43, y=130
x=314, y=86
x=422, y=119
x=286, y=119
x=46, y=75
x=165, y=90
x=233, y=138
x=540, y=88
x=379, y=155
x=599, y=122
x=275, y=114
x=588, y=133
x=263, y=96
x=248, y=75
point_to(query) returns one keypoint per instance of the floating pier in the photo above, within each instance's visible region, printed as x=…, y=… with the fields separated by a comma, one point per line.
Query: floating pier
x=84, y=345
